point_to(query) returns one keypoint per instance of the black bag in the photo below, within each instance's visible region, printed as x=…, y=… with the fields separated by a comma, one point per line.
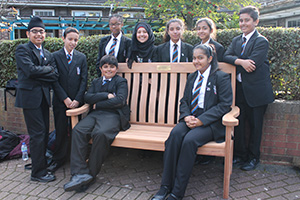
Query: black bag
x=8, y=141
x=10, y=85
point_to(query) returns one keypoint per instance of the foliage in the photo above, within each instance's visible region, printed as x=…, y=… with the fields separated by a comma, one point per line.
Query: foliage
x=188, y=10
x=284, y=56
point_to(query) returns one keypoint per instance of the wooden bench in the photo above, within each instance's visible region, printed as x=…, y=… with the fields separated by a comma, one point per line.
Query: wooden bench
x=155, y=90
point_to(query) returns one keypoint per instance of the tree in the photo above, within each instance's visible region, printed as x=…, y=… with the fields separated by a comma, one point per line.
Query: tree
x=188, y=10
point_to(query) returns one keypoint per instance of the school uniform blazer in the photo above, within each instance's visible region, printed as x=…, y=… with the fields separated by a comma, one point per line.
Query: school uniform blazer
x=217, y=101
x=256, y=85
x=35, y=76
x=72, y=79
x=123, y=52
x=218, y=47
x=117, y=86
x=163, y=52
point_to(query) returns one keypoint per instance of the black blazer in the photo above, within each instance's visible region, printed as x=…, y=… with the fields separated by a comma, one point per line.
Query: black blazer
x=163, y=52
x=117, y=86
x=257, y=84
x=72, y=79
x=218, y=47
x=123, y=52
x=217, y=101
x=35, y=76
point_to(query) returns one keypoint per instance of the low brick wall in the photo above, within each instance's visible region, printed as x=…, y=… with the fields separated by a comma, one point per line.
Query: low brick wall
x=281, y=133
x=12, y=119
x=280, y=141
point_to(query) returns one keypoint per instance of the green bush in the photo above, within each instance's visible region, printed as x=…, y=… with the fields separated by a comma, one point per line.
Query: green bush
x=284, y=56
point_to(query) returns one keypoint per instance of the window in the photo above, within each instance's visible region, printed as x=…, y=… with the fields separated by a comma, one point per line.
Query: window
x=132, y=14
x=83, y=13
x=43, y=13
x=293, y=23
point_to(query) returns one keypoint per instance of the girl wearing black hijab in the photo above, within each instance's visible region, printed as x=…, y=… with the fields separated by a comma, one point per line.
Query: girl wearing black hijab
x=142, y=44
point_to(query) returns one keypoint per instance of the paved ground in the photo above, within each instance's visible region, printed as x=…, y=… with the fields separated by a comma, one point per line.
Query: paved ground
x=128, y=174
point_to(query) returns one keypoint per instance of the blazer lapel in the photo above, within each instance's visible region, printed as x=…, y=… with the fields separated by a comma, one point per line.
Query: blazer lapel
x=36, y=52
x=122, y=47
x=63, y=59
x=183, y=57
x=250, y=42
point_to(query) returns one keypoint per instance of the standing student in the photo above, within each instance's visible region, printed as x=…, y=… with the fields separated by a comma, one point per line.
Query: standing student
x=116, y=44
x=174, y=49
x=207, y=32
x=36, y=72
x=207, y=97
x=249, y=53
x=142, y=44
x=110, y=114
x=68, y=92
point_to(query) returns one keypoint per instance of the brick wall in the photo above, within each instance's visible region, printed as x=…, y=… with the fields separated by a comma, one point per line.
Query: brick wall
x=280, y=141
x=13, y=119
x=281, y=133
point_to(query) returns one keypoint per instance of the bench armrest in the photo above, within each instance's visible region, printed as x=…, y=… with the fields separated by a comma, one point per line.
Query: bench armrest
x=78, y=111
x=230, y=118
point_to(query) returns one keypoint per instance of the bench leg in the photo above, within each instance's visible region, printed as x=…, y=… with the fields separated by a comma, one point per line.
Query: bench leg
x=228, y=165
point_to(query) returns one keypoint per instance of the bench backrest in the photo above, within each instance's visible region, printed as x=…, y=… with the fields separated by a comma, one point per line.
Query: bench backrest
x=155, y=90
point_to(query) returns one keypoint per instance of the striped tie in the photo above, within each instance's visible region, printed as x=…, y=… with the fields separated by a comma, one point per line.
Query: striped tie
x=69, y=58
x=112, y=47
x=175, y=54
x=41, y=53
x=195, y=95
x=243, y=45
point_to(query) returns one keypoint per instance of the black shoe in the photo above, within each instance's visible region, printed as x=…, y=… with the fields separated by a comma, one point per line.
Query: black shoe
x=46, y=178
x=238, y=162
x=84, y=187
x=204, y=160
x=162, y=193
x=54, y=166
x=77, y=181
x=250, y=165
x=173, y=197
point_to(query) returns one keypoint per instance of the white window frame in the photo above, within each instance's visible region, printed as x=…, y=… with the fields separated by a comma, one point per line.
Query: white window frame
x=131, y=14
x=297, y=19
x=87, y=12
x=43, y=10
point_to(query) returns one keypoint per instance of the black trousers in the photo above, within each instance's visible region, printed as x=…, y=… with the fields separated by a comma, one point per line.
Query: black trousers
x=254, y=116
x=37, y=122
x=62, y=138
x=102, y=127
x=180, y=154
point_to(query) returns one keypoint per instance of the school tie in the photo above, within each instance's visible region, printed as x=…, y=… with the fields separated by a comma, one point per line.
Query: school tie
x=41, y=53
x=195, y=95
x=105, y=81
x=69, y=58
x=112, y=47
x=243, y=45
x=175, y=53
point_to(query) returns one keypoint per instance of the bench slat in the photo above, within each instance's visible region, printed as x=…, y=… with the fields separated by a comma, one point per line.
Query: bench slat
x=162, y=98
x=144, y=96
x=153, y=97
x=172, y=99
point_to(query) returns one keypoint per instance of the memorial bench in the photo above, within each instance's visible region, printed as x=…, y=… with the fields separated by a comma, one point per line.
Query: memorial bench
x=154, y=92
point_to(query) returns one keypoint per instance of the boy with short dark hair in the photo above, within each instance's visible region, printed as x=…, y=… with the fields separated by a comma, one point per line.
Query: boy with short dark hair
x=36, y=72
x=110, y=114
x=254, y=92
x=68, y=92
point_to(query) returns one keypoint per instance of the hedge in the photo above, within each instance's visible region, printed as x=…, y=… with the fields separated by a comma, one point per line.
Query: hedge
x=283, y=55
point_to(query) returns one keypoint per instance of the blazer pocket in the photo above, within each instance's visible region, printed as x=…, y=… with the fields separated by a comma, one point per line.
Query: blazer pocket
x=25, y=86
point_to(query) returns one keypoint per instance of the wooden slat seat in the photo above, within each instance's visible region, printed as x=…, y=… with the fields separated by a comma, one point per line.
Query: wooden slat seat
x=155, y=90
